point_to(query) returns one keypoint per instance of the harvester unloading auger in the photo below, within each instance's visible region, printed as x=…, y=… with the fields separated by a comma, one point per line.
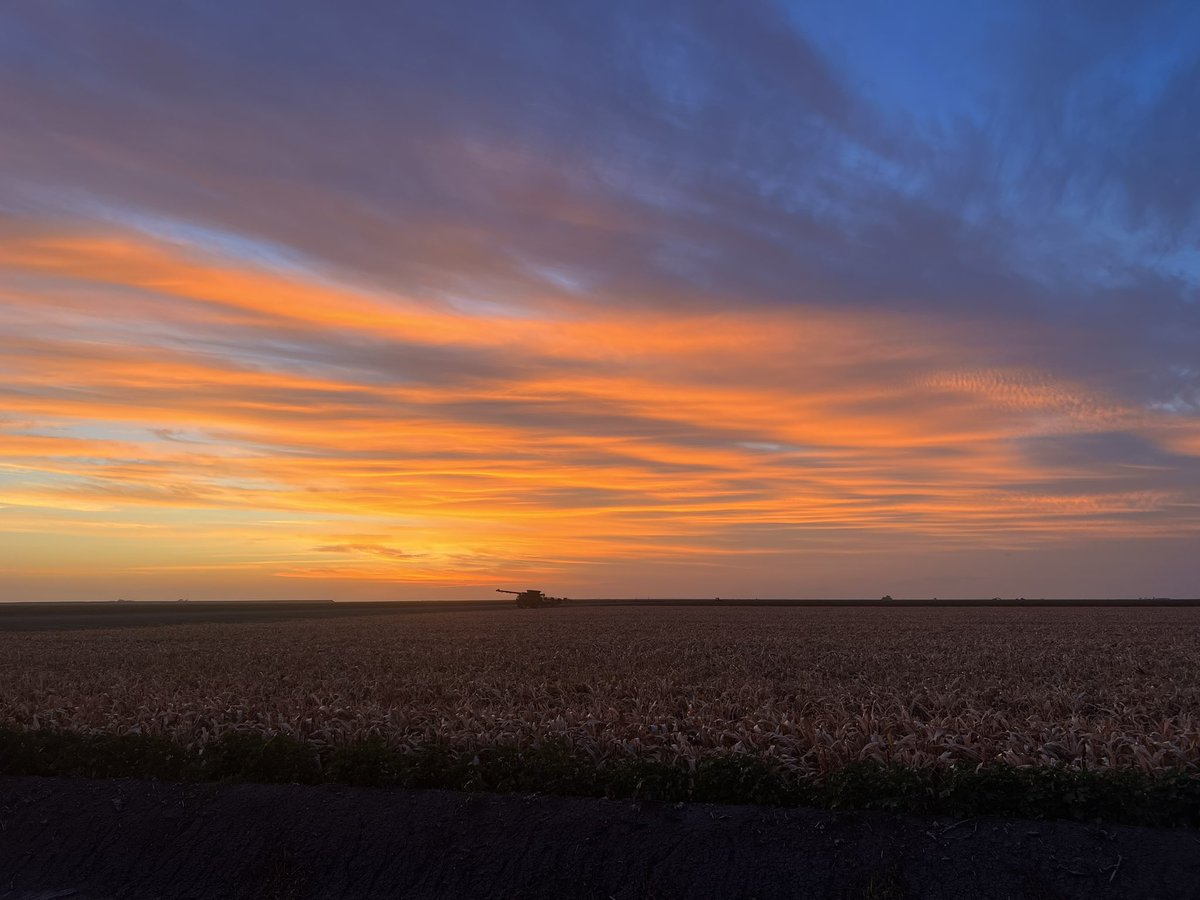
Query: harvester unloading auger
x=532, y=599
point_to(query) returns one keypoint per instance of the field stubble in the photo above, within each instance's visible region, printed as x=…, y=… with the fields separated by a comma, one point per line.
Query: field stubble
x=809, y=690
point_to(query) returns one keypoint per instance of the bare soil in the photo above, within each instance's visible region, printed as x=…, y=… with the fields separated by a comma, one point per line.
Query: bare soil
x=94, y=840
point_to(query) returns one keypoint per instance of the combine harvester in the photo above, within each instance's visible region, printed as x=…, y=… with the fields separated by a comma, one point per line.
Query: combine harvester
x=532, y=599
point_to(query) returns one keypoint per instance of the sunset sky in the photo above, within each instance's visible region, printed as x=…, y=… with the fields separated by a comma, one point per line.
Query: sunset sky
x=406, y=300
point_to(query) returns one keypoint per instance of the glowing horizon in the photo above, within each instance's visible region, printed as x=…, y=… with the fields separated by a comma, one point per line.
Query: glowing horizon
x=227, y=380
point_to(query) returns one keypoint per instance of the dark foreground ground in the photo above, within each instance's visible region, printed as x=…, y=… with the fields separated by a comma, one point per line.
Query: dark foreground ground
x=93, y=840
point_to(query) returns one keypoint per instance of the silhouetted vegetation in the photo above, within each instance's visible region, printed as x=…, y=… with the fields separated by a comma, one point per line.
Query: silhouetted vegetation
x=1124, y=796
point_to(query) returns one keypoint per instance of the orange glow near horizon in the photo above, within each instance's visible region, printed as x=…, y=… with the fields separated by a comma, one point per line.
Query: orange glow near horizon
x=212, y=428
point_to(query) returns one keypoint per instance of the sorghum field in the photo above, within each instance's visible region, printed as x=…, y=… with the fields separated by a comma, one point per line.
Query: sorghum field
x=808, y=690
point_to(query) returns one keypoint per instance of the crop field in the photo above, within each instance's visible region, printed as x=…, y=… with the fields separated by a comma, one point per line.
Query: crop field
x=805, y=690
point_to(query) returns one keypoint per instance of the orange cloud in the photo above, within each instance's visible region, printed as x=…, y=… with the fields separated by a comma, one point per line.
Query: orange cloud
x=214, y=417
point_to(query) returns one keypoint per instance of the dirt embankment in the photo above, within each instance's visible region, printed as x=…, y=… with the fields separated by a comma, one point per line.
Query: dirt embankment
x=132, y=839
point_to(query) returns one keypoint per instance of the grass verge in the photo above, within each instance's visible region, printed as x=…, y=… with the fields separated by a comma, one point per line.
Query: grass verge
x=1127, y=797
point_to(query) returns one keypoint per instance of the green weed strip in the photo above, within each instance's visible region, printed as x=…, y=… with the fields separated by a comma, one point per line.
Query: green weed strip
x=1129, y=796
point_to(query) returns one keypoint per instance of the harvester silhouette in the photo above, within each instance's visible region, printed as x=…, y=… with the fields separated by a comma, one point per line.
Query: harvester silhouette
x=532, y=599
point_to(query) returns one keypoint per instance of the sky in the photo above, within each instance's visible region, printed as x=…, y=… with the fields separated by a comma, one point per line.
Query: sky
x=417, y=300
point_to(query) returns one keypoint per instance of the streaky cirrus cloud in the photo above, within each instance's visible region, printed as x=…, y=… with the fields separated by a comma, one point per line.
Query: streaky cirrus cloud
x=409, y=300
x=327, y=433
